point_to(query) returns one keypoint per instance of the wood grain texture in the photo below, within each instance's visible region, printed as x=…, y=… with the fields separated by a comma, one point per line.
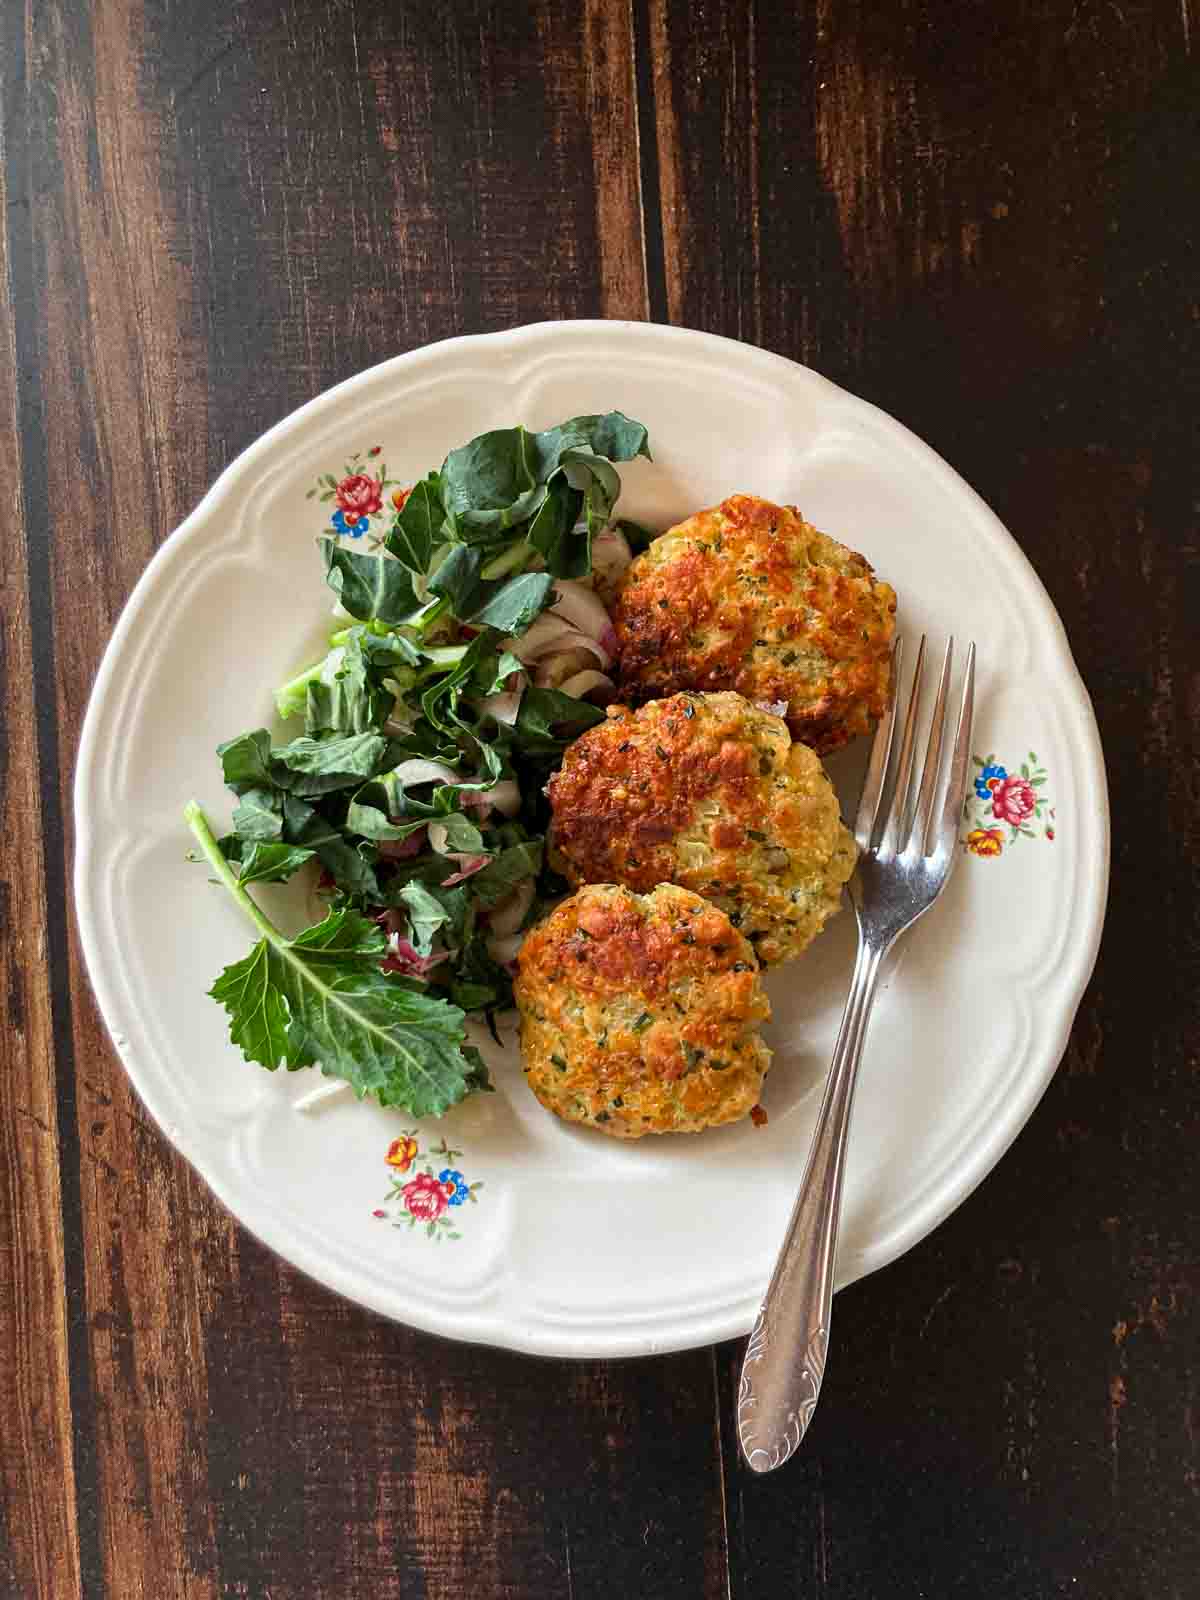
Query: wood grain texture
x=985, y=219
x=201, y=267
x=39, y=1551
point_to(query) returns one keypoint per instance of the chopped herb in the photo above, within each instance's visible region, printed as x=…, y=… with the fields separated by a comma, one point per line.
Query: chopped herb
x=753, y=833
x=617, y=1103
x=693, y=1055
x=640, y=1024
x=622, y=748
x=602, y=1116
x=689, y=711
x=664, y=605
x=790, y=659
x=557, y=1061
x=661, y=753
x=742, y=966
x=688, y=938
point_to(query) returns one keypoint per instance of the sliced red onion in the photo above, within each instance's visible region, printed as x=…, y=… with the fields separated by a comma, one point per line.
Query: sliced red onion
x=438, y=837
x=777, y=708
x=505, y=796
x=610, y=555
x=558, y=665
x=582, y=607
x=505, y=950
x=402, y=957
x=416, y=770
x=502, y=707
x=583, y=684
x=508, y=916
x=468, y=865
x=548, y=633
x=399, y=849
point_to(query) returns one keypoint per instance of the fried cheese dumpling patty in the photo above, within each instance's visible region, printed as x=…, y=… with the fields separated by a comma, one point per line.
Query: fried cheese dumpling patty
x=749, y=596
x=709, y=792
x=639, y=1013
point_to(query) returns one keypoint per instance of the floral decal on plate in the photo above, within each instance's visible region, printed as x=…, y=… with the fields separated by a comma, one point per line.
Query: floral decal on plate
x=426, y=1189
x=1006, y=806
x=361, y=502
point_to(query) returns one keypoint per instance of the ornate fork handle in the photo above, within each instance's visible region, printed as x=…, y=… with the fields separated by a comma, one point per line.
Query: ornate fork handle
x=908, y=849
x=785, y=1359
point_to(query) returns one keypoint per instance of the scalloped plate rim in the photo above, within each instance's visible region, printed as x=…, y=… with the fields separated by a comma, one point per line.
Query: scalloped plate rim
x=730, y=1317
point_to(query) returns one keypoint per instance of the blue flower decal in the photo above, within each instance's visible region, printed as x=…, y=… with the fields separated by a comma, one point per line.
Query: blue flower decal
x=461, y=1190
x=982, y=788
x=355, y=530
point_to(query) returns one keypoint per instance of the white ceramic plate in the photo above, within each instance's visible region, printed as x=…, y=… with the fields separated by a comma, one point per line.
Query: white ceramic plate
x=549, y=1239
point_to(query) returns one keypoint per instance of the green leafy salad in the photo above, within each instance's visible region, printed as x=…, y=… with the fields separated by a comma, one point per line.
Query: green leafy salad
x=474, y=646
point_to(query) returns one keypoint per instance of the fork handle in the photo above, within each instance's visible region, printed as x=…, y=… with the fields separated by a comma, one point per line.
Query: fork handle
x=785, y=1359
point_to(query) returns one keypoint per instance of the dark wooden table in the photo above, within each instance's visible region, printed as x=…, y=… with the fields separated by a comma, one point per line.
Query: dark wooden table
x=983, y=216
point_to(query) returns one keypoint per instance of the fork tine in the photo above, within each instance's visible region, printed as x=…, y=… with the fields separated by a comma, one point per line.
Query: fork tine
x=881, y=750
x=889, y=843
x=956, y=783
x=918, y=839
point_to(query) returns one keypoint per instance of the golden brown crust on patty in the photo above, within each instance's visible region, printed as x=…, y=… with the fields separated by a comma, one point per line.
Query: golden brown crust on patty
x=709, y=792
x=749, y=596
x=639, y=1013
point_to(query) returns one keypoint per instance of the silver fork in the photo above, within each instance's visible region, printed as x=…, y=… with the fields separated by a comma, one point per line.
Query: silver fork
x=907, y=853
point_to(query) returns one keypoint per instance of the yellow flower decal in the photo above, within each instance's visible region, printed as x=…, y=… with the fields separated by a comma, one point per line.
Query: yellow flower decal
x=402, y=1152
x=984, y=842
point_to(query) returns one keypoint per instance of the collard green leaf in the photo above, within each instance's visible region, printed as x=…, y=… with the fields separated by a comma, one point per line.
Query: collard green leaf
x=259, y=815
x=551, y=531
x=440, y=701
x=462, y=837
x=376, y=804
x=352, y=692
x=312, y=767
x=498, y=675
x=517, y=603
x=246, y=761
x=499, y=878
x=259, y=862
x=373, y=586
x=417, y=531
x=350, y=865
x=613, y=435
x=457, y=579
x=425, y=916
x=492, y=482
x=499, y=479
x=480, y=983
x=321, y=998
x=548, y=719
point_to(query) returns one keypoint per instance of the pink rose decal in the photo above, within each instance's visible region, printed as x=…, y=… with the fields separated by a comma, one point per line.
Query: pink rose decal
x=358, y=496
x=424, y=1198
x=1014, y=801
